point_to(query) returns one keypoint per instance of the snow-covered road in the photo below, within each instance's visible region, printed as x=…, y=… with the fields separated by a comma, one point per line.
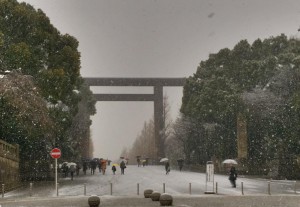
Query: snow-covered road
x=137, y=179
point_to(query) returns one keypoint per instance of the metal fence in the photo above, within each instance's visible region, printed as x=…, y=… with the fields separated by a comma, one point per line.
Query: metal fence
x=272, y=187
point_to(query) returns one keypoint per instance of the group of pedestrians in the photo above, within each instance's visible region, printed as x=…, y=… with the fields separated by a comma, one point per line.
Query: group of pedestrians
x=102, y=164
x=232, y=172
x=122, y=167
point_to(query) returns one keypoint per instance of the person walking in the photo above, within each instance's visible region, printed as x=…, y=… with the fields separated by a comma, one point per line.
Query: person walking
x=180, y=164
x=167, y=167
x=65, y=169
x=84, y=167
x=77, y=169
x=103, y=166
x=138, y=160
x=232, y=176
x=72, y=170
x=114, y=169
x=122, y=166
x=93, y=164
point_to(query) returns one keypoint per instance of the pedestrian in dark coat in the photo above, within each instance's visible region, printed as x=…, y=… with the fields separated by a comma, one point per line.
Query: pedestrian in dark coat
x=233, y=176
x=65, y=169
x=180, y=164
x=77, y=169
x=72, y=170
x=84, y=167
x=167, y=167
x=93, y=164
x=114, y=169
x=122, y=166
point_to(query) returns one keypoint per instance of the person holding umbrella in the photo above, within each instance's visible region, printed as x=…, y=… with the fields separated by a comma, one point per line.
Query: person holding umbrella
x=233, y=176
x=167, y=167
x=232, y=171
x=167, y=164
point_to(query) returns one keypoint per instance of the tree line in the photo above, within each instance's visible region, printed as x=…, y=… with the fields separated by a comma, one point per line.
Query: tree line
x=257, y=82
x=44, y=102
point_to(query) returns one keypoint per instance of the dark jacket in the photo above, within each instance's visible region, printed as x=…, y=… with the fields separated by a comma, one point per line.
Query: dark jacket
x=167, y=166
x=232, y=174
x=122, y=164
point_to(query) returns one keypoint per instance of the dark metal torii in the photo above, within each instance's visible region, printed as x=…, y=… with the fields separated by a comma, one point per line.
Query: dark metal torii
x=157, y=97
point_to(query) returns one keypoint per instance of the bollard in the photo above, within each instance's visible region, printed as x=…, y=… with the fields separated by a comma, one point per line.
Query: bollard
x=111, y=190
x=242, y=187
x=30, y=189
x=3, y=190
x=84, y=189
x=138, y=189
x=57, y=190
x=190, y=188
x=216, y=187
x=164, y=187
x=269, y=187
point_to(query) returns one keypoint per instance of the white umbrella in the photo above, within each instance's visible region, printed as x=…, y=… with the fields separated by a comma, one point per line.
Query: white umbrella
x=230, y=161
x=69, y=164
x=164, y=160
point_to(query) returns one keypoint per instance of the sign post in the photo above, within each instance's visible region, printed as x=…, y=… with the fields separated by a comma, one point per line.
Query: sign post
x=55, y=154
x=210, y=186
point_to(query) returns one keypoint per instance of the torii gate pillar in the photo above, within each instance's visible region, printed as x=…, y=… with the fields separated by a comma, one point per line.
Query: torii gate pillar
x=159, y=124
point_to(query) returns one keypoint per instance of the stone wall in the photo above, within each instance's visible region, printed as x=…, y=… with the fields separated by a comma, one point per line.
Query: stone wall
x=9, y=165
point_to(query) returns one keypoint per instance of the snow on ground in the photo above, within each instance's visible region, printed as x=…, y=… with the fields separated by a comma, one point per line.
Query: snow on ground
x=151, y=177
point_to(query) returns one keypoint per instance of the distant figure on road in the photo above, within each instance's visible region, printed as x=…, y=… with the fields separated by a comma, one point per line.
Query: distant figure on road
x=93, y=166
x=103, y=166
x=99, y=164
x=84, y=167
x=138, y=161
x=180, y=164
x=233, y=176
x=122, y=166
x=114, y=169
x=72, y=170
x=65, y=170
x=77, y=169
x=167, y=167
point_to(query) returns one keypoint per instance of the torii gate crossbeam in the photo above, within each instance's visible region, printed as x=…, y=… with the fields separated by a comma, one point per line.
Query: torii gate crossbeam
x=156, y=97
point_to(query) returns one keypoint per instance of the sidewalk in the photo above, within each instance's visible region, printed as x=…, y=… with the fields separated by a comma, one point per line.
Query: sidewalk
x=179, y=201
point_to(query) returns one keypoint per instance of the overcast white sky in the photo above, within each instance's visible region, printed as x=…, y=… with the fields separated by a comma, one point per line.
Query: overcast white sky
x=157, y=38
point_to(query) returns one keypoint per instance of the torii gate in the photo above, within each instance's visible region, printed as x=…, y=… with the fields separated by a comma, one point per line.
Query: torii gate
x=157, y=97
